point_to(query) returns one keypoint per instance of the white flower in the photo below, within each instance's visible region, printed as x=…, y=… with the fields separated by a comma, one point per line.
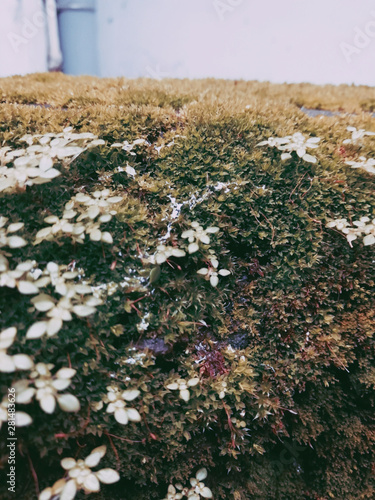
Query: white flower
x=117, y=404
x=198, y=489
x=130, y=171
x=99, y=203
x=362, y=227
x=274, y=142
x=77, y=298
x=22, y=419
x=46, y=389
x=357, y=135
x=183, y=386
x=296, y=142
x=222, y=388
x=20, y=277
x=85, y=208
x=173, y=494
x=24, y=173
x=126, y=146
x=164, y=252
x=364, y=164
x=212, y=274
x=81, y=477
x=6, y=235
x=198, y=234
x=8, y=363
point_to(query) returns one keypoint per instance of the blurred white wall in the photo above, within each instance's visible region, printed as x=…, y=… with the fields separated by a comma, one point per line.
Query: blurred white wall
x=23, y=45
x=320, y=41
x=28, y=37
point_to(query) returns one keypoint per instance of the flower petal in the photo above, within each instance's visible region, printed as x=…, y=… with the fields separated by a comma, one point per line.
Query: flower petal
x=16, y=242
x=206, y=492
x=22, y=419
x=214, y=280
x=69, y=491
x=193, y=247
x=108, y=476
x=131, y=394
x=82, y=311
x=193, y=382
x=23, y=362
x=43, y=302
x=201, y=474
x=133, y=415
x=121, y=415
x=27, y=288
x=173, y=386
x=224, y=272
x=66, y=373
x=68, y=463
x=185, y=395
x=54, y=325
x=48, y=403
x=37, y=330
x=91, y=483
x=68, y=402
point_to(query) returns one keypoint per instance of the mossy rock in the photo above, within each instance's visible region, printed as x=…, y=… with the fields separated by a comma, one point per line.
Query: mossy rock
x=290, y=330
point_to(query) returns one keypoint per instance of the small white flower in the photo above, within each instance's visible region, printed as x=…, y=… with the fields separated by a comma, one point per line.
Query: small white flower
x=46, y=389
x=363, y=227
x=198, y=234
x=164, y=252
x=198, y=489
x=173, y=494
x=296, y=142
x=20, y=277
x=128, y=147
x=212, y=274
x=81, y=477
x=117, y=404
x=365, y=164
x=183, y=386
x=357, y=135
x=130, y=171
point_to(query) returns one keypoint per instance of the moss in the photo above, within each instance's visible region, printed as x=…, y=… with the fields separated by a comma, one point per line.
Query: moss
x=297, y=309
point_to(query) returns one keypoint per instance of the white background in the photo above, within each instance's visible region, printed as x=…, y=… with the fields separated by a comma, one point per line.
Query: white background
x=276, y=40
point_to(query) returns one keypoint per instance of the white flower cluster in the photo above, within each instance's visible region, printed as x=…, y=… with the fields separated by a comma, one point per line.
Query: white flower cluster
x=357, y=135
x=163, y=252
x=81, y=477
x=183, y=386
x=34, y=163
x=117, y=404
x=212, y=273
x=364, y=227
x=85, y=208
x=46, y=388
x=296, y=142
x=20, y=277
x=7, y=239
x=197, y=234
x=77, y=298
x=8, y=363
x=365, y=164
x=128, y=147
x=22, y=419
x=196, y=491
